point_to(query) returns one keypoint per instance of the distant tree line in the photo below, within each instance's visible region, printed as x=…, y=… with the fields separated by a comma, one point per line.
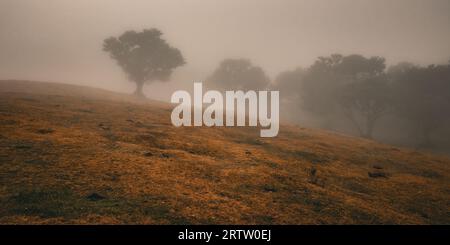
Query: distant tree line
x=354, y=94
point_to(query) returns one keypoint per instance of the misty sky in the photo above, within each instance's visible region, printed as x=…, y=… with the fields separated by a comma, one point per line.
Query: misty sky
x=61, y=40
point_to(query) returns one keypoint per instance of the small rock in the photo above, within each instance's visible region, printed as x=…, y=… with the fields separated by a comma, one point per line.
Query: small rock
x=46, y=131
x=377, y=174
x=104, y=127
x=148, y=154
x=248, y=152
x=377, y=167
x=23, y=146
x=269, y=189
x=165, y=155
x=95, y=197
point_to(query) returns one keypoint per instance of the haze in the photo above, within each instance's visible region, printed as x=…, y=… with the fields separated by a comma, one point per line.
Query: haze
x=60, y=40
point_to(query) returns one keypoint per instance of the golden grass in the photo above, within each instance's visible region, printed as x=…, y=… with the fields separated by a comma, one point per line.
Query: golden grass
x=61, y=143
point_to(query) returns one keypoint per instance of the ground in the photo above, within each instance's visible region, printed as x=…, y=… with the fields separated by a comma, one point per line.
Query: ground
x=78, y=155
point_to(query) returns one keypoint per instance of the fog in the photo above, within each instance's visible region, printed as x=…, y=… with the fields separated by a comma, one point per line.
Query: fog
x=61, y=40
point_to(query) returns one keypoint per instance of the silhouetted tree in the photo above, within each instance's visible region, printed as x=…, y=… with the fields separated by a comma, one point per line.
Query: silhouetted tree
x=144, y=56
x=353, y=86
x=318, y=91
x=289, y=83
x=238, y=74
x=365, y=101
x=397, y=71
x=422, y=95
x=355, y=65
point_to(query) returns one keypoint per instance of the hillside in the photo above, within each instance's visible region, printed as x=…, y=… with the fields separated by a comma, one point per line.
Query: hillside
x=79, y=155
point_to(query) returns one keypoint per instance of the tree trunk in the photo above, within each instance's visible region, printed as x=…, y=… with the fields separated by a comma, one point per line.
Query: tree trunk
x=138, y=92
x=349, y=114
x=369, y=128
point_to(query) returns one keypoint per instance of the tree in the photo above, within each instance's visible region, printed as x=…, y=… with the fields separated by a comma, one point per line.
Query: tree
x=422, y=96
x=144, y=56
x=395, y=72
x=318, y=91
x=365, y=101
x=238, y=74
x=352, y=86
x=289, y=84
x=354, y=65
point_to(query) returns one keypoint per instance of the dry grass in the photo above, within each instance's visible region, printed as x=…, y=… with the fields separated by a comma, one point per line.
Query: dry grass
x=60, y=144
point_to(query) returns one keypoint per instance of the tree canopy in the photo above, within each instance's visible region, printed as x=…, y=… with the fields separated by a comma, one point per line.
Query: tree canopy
x=238, y=74
x=144, y=56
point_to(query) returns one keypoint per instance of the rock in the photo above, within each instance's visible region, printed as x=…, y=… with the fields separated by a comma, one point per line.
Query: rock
x=377, y=174
x=148, y=154
x=269, y=189
x=165, y=155
x=104, y=127
x=46, y=131
x=95, y=197
x=377, y=167
x=22, y=145
x=248, y=152
x=312, y=176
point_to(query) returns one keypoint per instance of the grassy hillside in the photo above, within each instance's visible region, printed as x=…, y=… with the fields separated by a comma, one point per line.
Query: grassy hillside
x=79, y=155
